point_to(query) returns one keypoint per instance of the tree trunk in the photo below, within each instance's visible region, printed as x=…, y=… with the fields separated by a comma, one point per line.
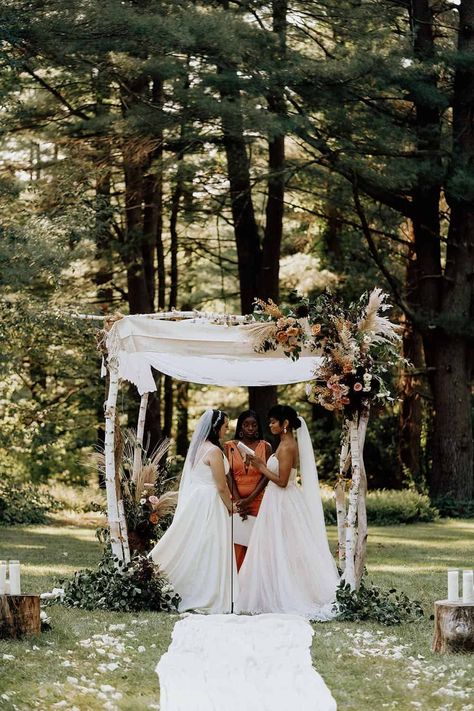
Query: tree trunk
x=411, y=409
x=269, y=284
x=247, y=237
x=182, y=442
x=452, y=432
x=410, y=419
x=245, y=226
x=454, y=627
x=262, y=399
x=104, y=256
x=135, y=247
x=446, y=299
x=19, y=615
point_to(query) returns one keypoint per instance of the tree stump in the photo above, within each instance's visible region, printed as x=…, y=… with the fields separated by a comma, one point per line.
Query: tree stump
x=19, y=615
x=454, y=627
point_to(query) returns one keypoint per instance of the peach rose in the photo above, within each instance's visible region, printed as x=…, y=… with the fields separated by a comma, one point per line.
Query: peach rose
x=357, y=387
x=153, y=518
x=293, y=331
x=316, y=329
x=282, y=336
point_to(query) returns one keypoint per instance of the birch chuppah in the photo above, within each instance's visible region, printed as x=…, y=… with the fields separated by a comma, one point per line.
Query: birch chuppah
x=275, y=347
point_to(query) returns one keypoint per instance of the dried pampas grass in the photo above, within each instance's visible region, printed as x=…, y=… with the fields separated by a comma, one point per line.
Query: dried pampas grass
x=381, y=329
x=166, y=503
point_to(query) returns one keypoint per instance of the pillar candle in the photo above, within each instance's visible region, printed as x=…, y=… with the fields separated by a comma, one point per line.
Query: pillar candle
x=3, y=576
x=14, y=575
x=467, y=586
x=453, y=585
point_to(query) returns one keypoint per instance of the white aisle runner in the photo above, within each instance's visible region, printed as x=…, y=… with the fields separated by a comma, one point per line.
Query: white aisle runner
x=241, y=663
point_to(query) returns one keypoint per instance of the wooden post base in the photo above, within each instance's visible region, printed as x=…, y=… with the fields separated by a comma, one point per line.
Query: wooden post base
x=19, y=615
x=454, y=627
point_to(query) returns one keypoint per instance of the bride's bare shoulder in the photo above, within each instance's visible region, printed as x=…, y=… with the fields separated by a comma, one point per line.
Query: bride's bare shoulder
x=213, y=452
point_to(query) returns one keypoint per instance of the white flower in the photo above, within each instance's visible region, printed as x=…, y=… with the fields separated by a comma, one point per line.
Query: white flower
x=142, y=501
x=106, y=688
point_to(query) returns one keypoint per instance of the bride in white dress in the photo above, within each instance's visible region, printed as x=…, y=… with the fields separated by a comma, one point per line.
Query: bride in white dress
x=196, y=552
x=289, y=567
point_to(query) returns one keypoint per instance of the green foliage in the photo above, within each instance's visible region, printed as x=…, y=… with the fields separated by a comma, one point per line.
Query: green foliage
x=370, y=603
x=132, y=587
x=452, y=508
x=23, y=504
x=80, y=499
x=388, y=507
x=48, y=367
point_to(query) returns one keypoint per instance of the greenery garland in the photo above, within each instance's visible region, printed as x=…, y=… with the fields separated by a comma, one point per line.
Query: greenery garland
x=371, y=604
x=131, y=587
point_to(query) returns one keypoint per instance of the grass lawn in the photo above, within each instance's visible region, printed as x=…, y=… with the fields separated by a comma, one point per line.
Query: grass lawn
x=99, y=660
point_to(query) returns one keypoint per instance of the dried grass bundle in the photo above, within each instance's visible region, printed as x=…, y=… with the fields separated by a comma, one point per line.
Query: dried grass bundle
x=380, y=328
x=166, y=503
x=148, y=470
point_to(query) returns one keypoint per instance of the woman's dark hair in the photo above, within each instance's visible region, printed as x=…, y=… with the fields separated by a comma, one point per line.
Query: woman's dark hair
x=218, y=419
x=243, y=416
x=285, y=412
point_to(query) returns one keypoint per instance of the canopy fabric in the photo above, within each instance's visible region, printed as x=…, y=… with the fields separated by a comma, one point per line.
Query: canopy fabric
x=200, y=352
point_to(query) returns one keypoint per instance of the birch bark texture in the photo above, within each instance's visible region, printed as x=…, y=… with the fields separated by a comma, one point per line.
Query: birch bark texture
x=109, y=446
x=351, y=510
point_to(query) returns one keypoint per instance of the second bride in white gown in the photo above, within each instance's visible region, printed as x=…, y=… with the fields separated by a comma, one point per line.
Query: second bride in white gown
x=289, y=567
x=196, y=552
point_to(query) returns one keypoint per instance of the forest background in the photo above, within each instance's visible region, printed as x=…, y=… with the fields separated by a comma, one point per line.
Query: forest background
x=197, y=155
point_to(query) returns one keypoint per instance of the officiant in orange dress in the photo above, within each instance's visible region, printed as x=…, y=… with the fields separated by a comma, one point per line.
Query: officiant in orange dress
x=245, y=481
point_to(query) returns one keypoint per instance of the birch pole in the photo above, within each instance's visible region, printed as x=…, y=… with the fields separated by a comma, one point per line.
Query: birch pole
x=349, y=572
x=361, y=544
x=123, y=531
x=109, y=446
x=137, y=453
x=340, y=496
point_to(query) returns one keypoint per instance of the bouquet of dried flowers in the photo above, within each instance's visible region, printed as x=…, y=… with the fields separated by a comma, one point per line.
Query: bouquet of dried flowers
x=286, y=329
x=359, y=345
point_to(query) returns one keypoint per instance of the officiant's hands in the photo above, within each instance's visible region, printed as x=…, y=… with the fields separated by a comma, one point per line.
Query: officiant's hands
x=256, y=462
x=243, y=508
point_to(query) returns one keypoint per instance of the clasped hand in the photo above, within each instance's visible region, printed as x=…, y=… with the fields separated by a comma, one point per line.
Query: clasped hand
x=243, y=508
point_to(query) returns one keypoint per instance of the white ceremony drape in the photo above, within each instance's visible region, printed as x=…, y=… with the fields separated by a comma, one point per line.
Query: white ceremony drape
x=200, y=352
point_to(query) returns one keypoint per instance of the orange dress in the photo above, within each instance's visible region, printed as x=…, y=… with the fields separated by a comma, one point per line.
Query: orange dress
x=246, y=480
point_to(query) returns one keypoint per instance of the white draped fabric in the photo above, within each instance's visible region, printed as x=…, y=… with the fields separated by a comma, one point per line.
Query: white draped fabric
x=241, y=663
x=200, y=352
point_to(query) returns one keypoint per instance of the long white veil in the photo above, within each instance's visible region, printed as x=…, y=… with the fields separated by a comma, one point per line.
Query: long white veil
x=312, y=495
x=200, y=435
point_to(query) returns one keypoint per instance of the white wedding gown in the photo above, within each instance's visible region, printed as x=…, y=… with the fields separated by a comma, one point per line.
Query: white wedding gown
x=196, y=552
x=288, y=567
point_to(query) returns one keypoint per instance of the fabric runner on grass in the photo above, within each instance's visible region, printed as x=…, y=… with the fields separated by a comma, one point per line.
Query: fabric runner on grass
x=241, y=663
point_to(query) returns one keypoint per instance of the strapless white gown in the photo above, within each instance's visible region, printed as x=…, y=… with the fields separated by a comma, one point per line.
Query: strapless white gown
x=196, y=552
x=286, y=570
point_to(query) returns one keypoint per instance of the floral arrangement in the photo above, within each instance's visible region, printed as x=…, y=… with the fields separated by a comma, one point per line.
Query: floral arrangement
x=287, y=330
x=358, y=344
x=148, y=502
